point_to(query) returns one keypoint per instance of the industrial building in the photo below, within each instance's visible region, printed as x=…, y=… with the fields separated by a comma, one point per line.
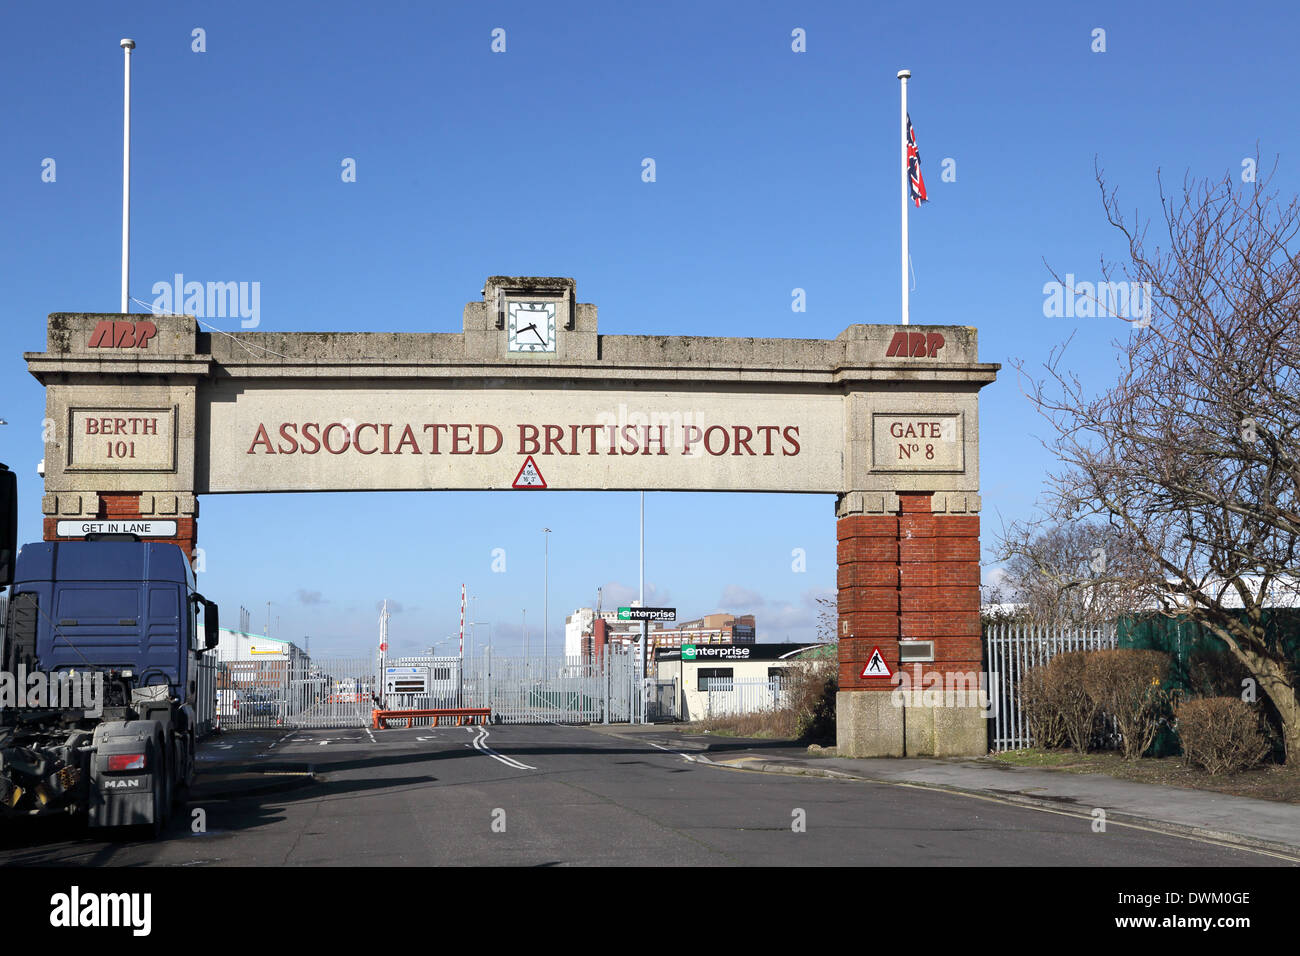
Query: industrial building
x=587, y=632
x=235, y=645
x=732, y=678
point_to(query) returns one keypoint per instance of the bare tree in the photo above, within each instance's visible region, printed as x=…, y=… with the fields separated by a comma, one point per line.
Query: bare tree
x=828, y=618
x=1078, y=572
x=1192, y=454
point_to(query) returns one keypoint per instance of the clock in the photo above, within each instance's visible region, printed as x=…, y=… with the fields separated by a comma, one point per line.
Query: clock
x=530, y=327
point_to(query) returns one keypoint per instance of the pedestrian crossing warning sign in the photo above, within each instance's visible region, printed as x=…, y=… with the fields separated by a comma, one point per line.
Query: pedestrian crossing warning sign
x=529, y=476
x=876, y=666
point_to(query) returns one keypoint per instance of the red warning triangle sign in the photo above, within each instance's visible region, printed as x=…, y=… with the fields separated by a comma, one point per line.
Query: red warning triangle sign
x=529, y=477
x=876, y=666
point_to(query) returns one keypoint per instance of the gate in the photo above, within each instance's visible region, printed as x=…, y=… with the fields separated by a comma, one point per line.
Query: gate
x=662, y=705
x=295, y=693
x=559, y=690
x=1010, y=650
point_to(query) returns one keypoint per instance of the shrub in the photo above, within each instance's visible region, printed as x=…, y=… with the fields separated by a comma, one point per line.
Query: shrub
x=1067, y=715
x=1221, y=734
x=1042, y=710
x=806, y=711
x=778, y=724
x=1127, y=685
x=812, y=698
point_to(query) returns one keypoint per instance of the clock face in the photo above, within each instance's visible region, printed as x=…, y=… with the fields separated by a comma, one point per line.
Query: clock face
x=530, y=327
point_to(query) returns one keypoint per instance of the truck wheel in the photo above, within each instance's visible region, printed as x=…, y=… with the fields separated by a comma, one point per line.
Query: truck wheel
x=152, y=830
x=169, y=784
x=162, y=792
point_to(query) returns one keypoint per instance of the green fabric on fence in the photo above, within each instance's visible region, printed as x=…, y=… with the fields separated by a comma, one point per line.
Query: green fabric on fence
x=1200, y=662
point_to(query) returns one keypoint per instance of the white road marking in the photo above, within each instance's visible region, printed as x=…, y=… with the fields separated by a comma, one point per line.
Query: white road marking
x=480, y=746
x=687, y=757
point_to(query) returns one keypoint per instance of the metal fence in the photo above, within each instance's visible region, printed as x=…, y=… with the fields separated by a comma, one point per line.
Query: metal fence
x=295, y=692
x=662, y=705
x=725, y=697
x=205, y=702
x=302, y=692
x=1010, y=650
x=560, y=690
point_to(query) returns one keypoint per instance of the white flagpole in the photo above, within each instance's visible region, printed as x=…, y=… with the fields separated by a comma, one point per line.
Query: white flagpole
x=903, y=76
x=127, y=47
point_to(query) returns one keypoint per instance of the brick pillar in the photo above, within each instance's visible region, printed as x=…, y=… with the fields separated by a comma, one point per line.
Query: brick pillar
x=118, y=505
x=912, y=575
x=599, y=639
x=939, y=593
x=868, y=579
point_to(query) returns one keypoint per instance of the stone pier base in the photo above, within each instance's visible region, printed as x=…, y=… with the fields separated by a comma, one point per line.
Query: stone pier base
x=880, y=724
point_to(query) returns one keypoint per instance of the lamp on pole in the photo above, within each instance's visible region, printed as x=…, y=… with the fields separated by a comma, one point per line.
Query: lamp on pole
x=488, y=625
x=473, y=613
x=546, y=591
x=644, y=624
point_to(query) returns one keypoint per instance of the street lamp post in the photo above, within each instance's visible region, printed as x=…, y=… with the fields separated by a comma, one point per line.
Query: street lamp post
x=546, y=592
x=644, y=624
x=488, y=625
x=473, y=613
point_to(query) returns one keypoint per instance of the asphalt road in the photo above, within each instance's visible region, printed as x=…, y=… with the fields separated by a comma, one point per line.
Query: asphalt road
x=549, y=795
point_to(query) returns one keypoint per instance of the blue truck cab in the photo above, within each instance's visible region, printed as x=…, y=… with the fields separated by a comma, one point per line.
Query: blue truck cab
x=123, y=616
x=127, y=608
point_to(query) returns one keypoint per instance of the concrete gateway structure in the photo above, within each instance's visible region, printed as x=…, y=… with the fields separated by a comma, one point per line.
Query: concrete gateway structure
x=151, y=413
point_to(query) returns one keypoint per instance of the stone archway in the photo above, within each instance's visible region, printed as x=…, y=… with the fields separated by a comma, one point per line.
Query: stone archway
x=151, y=413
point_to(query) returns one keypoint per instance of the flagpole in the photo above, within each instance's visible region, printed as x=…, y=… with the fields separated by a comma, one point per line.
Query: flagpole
x=903, y=76
x=127, y=46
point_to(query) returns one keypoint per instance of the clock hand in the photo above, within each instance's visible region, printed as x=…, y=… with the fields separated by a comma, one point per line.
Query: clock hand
x=539, y=335
x=531, y=325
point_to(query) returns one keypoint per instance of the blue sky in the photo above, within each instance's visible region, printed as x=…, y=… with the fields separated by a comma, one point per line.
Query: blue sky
x=776, y=170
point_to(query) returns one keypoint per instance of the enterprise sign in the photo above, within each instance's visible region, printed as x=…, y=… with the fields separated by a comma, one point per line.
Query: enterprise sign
x=732, y=652
x=647, y=614
x=728, y=652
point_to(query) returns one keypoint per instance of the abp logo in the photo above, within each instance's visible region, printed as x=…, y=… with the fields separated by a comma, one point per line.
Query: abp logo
x=122, y=335
x=915, y=344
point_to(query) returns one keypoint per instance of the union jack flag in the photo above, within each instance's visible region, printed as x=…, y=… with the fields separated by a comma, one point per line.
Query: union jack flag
x=916, y=184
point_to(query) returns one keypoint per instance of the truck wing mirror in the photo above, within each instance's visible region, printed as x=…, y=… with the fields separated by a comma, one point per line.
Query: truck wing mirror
x=8, y=525
x=210, y=635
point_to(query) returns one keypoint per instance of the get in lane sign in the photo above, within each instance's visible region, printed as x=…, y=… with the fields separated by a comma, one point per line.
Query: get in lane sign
x=142, y=528
x=647, y=614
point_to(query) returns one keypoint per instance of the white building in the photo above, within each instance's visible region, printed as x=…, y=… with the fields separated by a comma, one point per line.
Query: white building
x=578, y=625
x=235, y=645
